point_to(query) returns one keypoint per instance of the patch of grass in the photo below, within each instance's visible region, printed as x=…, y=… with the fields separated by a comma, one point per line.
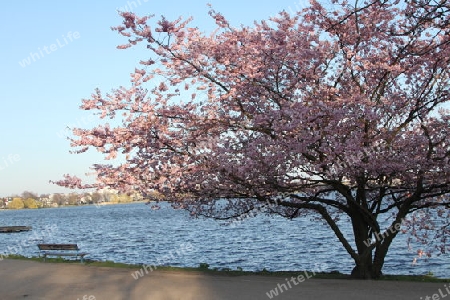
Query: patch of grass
x=204, y=268
x=110, y=264
x=416, y=278
x=21, y=257
x=41, y=259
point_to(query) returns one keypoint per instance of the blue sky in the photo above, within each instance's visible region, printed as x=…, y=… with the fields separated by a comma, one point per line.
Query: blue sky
x=56, y=53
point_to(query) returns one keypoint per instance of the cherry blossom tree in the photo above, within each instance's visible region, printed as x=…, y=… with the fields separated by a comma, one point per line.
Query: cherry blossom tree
x=330, y=112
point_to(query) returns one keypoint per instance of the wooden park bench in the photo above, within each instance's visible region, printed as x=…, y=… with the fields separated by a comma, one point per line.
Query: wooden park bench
x=61, y=250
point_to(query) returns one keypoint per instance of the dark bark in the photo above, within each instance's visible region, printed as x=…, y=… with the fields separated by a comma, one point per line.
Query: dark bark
x=364, y=268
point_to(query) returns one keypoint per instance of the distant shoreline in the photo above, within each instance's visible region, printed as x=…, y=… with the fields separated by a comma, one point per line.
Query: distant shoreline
x=61, y=206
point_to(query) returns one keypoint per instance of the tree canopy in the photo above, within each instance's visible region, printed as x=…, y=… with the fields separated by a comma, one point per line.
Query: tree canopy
x=329, y=111
x=16, y=203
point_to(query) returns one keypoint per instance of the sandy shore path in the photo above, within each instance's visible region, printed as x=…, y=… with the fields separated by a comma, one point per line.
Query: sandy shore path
x=20, y=279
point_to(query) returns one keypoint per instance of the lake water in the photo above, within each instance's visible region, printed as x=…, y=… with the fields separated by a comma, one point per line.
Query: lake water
x=133, y=233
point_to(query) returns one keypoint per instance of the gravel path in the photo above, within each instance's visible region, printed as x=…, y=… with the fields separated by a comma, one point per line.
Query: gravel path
x=22, y=279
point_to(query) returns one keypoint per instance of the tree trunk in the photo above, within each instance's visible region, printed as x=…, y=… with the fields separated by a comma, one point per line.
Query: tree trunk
x=363, y=269
x=364, y=265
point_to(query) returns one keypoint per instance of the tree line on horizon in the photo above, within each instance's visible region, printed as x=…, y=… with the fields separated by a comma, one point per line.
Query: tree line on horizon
x=30, y=200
